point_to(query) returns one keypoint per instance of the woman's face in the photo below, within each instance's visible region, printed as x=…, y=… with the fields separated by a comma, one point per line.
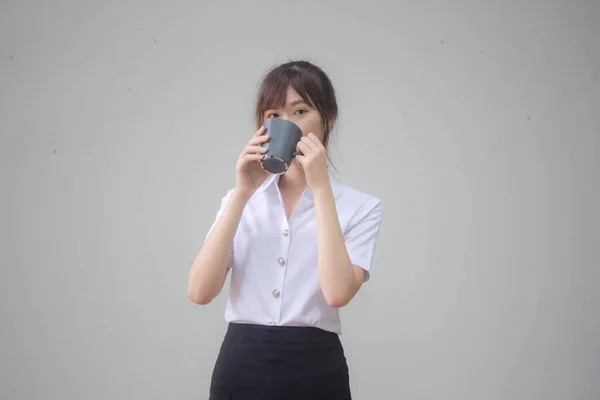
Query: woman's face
x=296, y=110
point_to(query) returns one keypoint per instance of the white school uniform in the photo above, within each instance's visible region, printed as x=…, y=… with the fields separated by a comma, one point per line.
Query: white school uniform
x=273, y=262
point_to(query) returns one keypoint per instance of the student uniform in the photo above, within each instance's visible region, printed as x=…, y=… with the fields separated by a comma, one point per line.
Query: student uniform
x=282, y=340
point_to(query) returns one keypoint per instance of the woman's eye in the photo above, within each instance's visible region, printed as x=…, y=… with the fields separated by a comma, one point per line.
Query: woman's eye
x=273, y=115
x=300, y=111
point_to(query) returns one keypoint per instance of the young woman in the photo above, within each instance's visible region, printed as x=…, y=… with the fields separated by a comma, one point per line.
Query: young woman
x=299, y=247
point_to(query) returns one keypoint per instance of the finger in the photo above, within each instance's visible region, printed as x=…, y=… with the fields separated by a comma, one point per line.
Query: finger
x=303, y=147
x=260, y=131
x=300, y=160
x=314, y=140
x=251, y=157
x=258, y=140
x=306, y=140
x=254, y=149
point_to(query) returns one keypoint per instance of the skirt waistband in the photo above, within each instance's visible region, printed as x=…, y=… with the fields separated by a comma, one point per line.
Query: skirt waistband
x=291, y=335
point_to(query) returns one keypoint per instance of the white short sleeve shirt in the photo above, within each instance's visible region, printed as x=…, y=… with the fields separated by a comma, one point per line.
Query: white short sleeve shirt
x=274, y=272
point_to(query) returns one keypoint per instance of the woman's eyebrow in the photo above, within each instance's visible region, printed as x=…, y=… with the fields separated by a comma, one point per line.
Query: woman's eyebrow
x=296, y=102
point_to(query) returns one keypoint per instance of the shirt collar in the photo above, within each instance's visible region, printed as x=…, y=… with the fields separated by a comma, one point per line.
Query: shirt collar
x=273, y=180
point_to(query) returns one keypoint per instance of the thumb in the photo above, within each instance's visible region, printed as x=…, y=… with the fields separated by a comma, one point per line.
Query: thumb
x=297, y=161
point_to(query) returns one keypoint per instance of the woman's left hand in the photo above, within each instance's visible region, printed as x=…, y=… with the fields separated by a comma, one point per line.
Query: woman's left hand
x=312, y=158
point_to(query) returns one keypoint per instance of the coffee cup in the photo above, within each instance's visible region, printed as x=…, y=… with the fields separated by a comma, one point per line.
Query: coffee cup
x=284, y=136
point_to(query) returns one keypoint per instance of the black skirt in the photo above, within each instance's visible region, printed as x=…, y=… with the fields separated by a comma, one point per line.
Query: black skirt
x=280, y=362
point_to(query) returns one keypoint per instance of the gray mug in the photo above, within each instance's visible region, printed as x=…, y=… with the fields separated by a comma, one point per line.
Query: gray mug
x=281, y=147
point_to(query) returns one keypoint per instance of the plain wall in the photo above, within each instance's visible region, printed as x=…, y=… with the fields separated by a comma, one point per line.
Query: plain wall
x=476, y=122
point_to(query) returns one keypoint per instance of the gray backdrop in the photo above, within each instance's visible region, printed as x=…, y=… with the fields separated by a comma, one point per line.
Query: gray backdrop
x=477, y=123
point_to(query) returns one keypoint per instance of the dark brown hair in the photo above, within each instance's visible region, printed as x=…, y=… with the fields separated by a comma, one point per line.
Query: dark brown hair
x=311, y=83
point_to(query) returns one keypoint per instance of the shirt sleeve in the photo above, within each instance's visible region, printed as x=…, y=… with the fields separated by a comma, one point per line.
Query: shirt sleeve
x=362, y=234
x=224, y=202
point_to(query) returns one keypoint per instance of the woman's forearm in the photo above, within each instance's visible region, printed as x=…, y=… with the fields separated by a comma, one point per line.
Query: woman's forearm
x=209, y=270
x=339, y=282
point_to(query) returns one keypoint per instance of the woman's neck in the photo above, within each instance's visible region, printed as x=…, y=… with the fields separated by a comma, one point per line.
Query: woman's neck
x=293, y=180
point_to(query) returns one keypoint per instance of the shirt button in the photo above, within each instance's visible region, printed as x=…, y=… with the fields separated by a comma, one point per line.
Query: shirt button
x=286, y=232
x=281, y=261
x=276, y=293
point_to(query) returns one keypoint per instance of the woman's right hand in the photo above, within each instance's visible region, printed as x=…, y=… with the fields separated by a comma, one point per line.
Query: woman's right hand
x=249, y=171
